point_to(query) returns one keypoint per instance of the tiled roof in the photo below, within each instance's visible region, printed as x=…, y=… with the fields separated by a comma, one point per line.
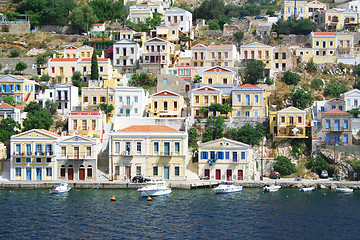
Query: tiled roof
x=324, y=33
x=99, y=59
x=148, y=128
x=48, y=132
x=63, y=60
x=6, y=105
x=98, y=24
x=99, y=39
x=335, y=111
x=221, y=46
x=248, y=85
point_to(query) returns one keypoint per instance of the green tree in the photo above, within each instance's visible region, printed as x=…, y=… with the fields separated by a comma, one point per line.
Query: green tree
x=81, y=16
x=51, y=106
x=14, y=53
x=303, y=26
x=238, y=36
x=192, y=138
x=291, y=78
x=357, y=70
x=211, y=9
x=270, y=12
x=197, y=79
x=281, y=27
x=213, y=24
x=76, y=79
x=284, y=166
x=156, y=20
x=334, y=89
x=32, y=107
x=38, y=120
x=8, y=127
x=94, y=68
x=317, y=164
x=108, y=10
x=311, y=66
x=106, y=108
x=45, y=78
x=247, y=134
x=9, y=100
x=354, y=112
x=214, y=129
x=254, y=71
x=20, y=66
x=301, y=97
x=317, y=83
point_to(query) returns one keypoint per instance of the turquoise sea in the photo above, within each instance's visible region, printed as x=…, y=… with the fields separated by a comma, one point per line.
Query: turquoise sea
x=184, y=214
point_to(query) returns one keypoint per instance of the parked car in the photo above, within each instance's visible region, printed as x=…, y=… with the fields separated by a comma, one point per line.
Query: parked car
x=259, y=17
x=275, y=175
x=324, y=174
x=243, y=19
x=140, y=179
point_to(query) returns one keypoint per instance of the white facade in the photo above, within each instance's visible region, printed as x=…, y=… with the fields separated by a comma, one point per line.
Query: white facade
x=125, y=53
x=352, y=99
x=15, y=113
x=130, y=101
x=66, y=95
x=179, y=16
x=137, y=14
x=98, y=27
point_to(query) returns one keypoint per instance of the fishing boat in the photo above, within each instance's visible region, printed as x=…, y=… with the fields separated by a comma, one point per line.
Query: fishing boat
x=61, y=188
x=153, y=189
x=306, y=189
x=271, y=188
x=227, y=187
x=344, y=190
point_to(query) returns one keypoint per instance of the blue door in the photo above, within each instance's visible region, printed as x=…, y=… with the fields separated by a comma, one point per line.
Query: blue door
x=166, y=172
x=337, y=125
x=38, y=173
x=28, y=173
x=337, y=139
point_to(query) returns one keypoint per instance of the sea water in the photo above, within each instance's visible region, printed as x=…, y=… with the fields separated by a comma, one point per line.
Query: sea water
x=184, y=214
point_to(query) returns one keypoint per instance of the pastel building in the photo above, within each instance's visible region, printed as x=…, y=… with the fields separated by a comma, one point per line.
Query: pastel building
x=352, y=99
x=125, y=53
x=158, y=54
x=15, y=113
x=258, y=51
x=166, y=104
x=218, y=75
x=87, y=123
x=336, y=127
x=180, y=17
x=92, y=97
x=155, y=151
x=22, y=89
x=225, y=159
x=203, y=97
x=139, y=14
x=301, y=9
x=337, y=19
x=130, y=101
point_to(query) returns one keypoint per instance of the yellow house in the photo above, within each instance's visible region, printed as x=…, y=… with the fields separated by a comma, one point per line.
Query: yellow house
x=74, y=52
x=104, y=65
x=33, y=155
x=225, y=159
x=337, y=19
x=301, y=9
x=198, y=55
x=77, y=158
x=22, y=89
x=89, y=123
x=155, y=151
x=202, y=98
x=249, y=102
x=288, y=123
x=92, y=97
x=166, y=104
x=214, y=55
x=218, y=75
x=158, y=53
x=258, y=51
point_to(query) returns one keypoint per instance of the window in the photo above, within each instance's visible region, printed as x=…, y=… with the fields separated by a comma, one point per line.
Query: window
x=346, y=138
x=219, y=155
x=38, y=160
x=18, y=148
x=247, y=113
x=239, y=98
x=62, y=171
x=243, y=155
x=177, y=147
x=63, y=151
x=89, y=171
x=282, y=119
x=177, y=171
x=136, y=110
x=120, y=99
x=299, y=120
x=136, y=99
x=327, y=123
x=238, y=114
x=17, y=160
x=331, y=43
x=117, y=147
x=165, y=81
x=48, y=171
x=256, y=113
x=28, y=160
x=166, y=148
x=18, y=172
x=84, y=69
x=322, y=109
x=346, y=124
x=197, y=99
x=256, y=98
x=227, y=155
x=156, y=147
x=204, y=155
x=138, y=146
x=88, y=151
x=155, y=170
x=317, y=43
x=48, y=160
x=138, y=170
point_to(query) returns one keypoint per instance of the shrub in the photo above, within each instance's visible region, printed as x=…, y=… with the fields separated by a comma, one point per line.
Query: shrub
x=14, y=53
x=291, y=78
x=317, y=83
x=317, y=164
x=5, y=28
x=269, y=81
x=334, y=89
x=284, y=166
x=45, y=78
x=311, y=66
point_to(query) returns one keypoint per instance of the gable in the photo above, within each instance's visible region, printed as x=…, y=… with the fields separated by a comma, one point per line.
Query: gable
x=77, y=139
x=290, y=110
x=224, y=143
x=165, y=94
x=36, y=134
x=218, y=70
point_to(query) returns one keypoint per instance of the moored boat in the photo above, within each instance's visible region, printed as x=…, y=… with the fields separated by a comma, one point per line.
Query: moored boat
x=344, y=190
x=306, y=189
x=227, y=187
x=153, y=189
x=61, y=188
x=271, y=188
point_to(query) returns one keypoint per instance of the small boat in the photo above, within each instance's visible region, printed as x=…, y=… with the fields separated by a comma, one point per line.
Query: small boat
x=227, y=187
x=155, y=189
x=61, y=188
x=306, y=189
x=344, y=190
x=271, y=188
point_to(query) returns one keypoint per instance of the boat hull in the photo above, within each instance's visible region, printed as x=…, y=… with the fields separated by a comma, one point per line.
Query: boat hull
x=228, y=190
x=306, y=189
x=344, y=190
x=154, y=192
x=272, y=189
x=60, y=191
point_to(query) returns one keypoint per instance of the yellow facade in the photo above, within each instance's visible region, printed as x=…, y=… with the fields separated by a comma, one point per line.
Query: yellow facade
x=166, y=104
x=22, y=89
x=74, y=52
x=33, y=155
x=337, y=19
x=159, y=52
x=302, y=9
x=257, y=51
x=155, y=151
x=92, y=97
x=203, y=97
x=88, y=123
x=218, y=75
x=288, y=123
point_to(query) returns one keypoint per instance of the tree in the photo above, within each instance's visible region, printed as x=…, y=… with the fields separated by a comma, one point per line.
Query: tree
x=211, y=9
x=215, y=107
x=41, y=119
x=82, y=17
x=311, y=66
x=284, y=166
x=192, y=139
x=32, y=107
x=238, y=36
x=106, y=108
x=51, y=106
x=247, y=134
x=76, y=79
x=197, y=79
x=8, y=127
x=357, y=70
x=14, y=53
x=254, y=71
x=334, y=89
x=108, y=10
x=303, y=26
x=213, y=24
x=317, y=83
x=281, y=27
x=301, y=97
x=9, y=100
x=94, y=68
x=317, y=164
x=45, y=78
x=20, y=66
x=156, y=20
x=291, y=78
x=214, y=129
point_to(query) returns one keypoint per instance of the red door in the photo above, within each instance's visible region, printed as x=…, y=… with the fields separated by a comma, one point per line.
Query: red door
x=81, y=174
x=207, y=173
x=218, y=174
x=240, y=175
x=228, y=174
x=70, y=174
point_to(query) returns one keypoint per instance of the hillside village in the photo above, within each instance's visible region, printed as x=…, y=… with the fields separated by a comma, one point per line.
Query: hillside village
x=180, y=91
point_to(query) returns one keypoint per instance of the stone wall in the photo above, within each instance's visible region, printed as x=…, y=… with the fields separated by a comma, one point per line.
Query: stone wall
x=10, y=63
x=15, y=28
x=69, y=29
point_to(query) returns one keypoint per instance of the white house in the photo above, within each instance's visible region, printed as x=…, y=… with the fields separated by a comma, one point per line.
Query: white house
x=179, y=16
x=125, y=53
x=66, y=95
x=352, y=99
x=139, y=14
x=353, y=5
x=130, y=101
x=6, y=110
x=98, y=27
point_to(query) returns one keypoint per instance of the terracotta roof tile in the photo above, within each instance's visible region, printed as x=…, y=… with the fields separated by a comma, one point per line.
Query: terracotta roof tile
x=99, y=59
x=248, y=85
x=48, y=132
x=148, y=128
x=84, y=112
x=6, y=105
x=63, y=60
x=324, y=33
x=335, y=111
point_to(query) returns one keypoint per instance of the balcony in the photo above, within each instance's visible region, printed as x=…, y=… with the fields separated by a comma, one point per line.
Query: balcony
x=18, y=154
x=338, y=129
x=75, y=157
x=126, y=104
x=62, y=99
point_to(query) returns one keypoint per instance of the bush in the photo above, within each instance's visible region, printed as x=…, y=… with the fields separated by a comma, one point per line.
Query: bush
x=317, y=164
x=317, y=84
x=291, y=78
x=284, y=166
x=334, y=89
x=269, y=81
x=5, y=28
x=14, y=53
x=311, y=66
x=45, y=78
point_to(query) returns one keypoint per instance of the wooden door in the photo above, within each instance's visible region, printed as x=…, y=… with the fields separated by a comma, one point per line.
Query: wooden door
x=70, y=173
x=228, y=174
x=240, y=175
x=218, y=174
x=128, y=172
x=82, y=174
x=207, y=173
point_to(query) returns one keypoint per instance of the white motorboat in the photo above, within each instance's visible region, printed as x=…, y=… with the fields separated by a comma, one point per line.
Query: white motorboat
x=227, y=187
x=61, y=188
x=344, y=190
x=153, y=189
x=306, y=189
x=271, y=188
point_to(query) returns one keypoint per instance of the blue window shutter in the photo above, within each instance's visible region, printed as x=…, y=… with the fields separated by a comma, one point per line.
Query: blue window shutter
x=227, y=155
x=206, y=155
x=327, y=138
x=242, y=155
